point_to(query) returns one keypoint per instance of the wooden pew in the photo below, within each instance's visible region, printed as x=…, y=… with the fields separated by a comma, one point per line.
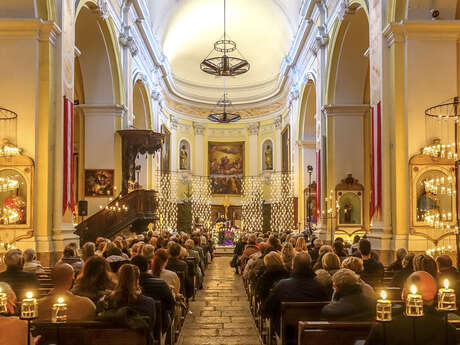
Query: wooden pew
x=192, y=265
x=46, y=283
x=88, y=333
x=293, y=312
x=393, y=293
x=332, y=333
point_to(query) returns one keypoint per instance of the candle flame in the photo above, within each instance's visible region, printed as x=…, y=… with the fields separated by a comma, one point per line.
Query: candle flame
x=29, y=294
x=383, y=294
x=1, y=290
x=446, y=284
x=60, y=300
x=413, y=289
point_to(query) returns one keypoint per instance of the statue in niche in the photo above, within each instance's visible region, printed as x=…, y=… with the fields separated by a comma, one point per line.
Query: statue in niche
x=184, y=157
x=14, y=209
x=347, y=212
x=268, y=157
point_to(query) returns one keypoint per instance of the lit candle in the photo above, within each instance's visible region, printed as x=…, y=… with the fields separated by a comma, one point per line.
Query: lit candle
x=414, y=303
x=383, y=308
x=29, y=307
x=447, y=301
x=3, y=302
x=59, y=311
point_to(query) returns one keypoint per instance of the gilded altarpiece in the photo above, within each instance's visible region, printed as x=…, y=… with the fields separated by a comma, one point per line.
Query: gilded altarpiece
x=432, y=194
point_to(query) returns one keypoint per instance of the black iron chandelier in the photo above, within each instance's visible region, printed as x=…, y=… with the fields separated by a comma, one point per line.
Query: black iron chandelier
x=225, y=65
x=224, y=116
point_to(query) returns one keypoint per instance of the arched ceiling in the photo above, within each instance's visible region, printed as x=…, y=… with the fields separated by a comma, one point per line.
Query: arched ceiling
x=262, y=29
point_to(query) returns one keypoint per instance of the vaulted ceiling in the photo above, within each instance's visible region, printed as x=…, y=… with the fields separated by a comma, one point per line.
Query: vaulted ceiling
x=262, y=29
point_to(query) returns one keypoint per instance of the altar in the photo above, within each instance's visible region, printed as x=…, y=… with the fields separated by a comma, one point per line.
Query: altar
x=224, y=234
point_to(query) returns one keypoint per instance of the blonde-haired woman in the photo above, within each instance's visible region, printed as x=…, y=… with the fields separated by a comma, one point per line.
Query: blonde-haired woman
x=288, y=254
x=301, y=245
x=274, y=272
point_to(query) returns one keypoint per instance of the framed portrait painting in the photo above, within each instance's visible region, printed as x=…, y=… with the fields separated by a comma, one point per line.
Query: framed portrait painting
x=226, y=167
x=99, y=182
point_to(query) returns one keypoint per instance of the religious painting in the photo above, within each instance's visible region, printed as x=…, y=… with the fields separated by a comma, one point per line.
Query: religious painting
x=166, y=150
x=184, y=155
x=226, y=167
x=349, y=196
x=99, y=182
x=285, y=149
x=267, y=155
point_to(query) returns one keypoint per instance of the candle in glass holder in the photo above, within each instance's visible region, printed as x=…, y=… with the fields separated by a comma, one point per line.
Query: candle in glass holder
x=29, y=307
x=383, y=308
x=59, y=311
x=447, y=301
x=3, y=302
x=414, y=303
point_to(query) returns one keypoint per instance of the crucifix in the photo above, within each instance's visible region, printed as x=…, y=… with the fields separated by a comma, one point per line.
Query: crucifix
x=226, y=204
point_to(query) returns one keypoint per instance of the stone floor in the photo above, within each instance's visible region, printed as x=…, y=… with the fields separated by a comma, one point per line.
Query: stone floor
x=220, y=315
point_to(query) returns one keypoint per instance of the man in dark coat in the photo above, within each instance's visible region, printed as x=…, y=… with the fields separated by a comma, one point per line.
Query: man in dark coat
x=429, y=328
x=20, y=281
x=447, y=271
x=157, y=289
x=373, y=269
x=177, y=265
x=300, y=287
x=350, y=303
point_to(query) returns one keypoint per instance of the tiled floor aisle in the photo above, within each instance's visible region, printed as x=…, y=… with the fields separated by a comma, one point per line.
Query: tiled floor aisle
x=220, y=314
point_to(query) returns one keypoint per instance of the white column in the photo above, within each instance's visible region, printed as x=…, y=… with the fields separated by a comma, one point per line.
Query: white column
x=198, y=156
x=253, y=131
x=101, y=124
x=277, y=123
x=174, y=143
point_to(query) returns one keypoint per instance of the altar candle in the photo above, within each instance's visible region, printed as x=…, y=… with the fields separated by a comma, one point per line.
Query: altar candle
x=383, y=308
x=447, y=301
x=29, y=307
x=3, y=302
x=414, y=303
x=59, y=311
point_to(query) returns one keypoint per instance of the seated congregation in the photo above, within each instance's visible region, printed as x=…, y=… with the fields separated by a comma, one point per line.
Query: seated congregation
x=325, y=294
x=133, y=290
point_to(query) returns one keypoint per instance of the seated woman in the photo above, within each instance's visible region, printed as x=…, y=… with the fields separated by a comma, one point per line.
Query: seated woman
x=13, y=329
x=160, y=260
x=274, y=272
x=128, y=294
x=350, y=302
x=95, y=280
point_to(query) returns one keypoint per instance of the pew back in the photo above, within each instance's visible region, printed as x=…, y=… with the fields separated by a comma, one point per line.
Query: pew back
x=88, y=333
x=293, y=312
x=332, y=333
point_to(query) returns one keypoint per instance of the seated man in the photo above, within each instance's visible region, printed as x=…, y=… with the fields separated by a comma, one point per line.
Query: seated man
x=300, y=287
x=30, y=263
x=429, y=329
x=78, y=308
x=69, y=257
x=177, y=265
x=13, y=329
x=350, y=302
x=373, y=269
x=20, y=281
x=447, y=271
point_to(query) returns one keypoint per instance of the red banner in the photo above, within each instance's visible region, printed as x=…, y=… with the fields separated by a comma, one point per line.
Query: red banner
x=376, y=159
x=67, y=195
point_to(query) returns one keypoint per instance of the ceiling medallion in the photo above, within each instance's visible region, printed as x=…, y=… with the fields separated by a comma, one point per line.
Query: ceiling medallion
x=224, y=65
x=224, y=116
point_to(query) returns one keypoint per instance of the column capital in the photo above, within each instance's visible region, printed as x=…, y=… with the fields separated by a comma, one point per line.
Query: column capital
x=103, y=109
x=332, y=110
x=102, y=9
x=174, y=122
x=253, y=128
x=199, y=128
x=278, y=122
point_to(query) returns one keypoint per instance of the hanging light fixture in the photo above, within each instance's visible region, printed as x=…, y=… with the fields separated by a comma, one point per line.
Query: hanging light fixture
x=224, y=65
x=224, y=116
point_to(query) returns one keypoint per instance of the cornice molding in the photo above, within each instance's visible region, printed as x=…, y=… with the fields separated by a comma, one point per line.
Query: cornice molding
x=29, y=29
x=443, y=30
x=102, y=109
x=333, y=110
